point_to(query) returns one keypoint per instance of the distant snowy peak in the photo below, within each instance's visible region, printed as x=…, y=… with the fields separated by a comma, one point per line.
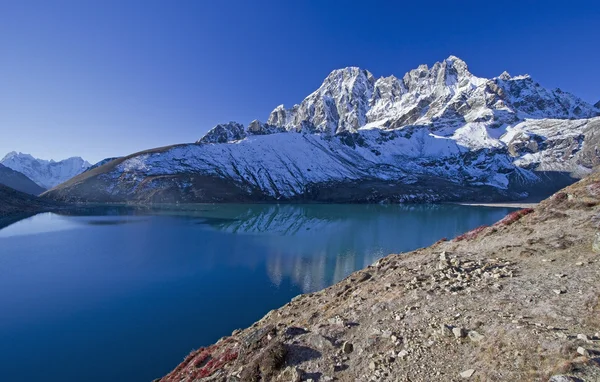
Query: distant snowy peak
x=46, y=173
x=597, y=105
x=445, y=97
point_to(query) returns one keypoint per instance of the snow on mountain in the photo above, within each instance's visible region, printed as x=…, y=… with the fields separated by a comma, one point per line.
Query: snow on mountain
x=437, y=133
x=444, y=97
x=45, y=173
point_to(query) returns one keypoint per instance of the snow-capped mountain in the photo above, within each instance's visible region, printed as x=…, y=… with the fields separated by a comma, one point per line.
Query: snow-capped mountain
x=438, y=133
x=45, y=173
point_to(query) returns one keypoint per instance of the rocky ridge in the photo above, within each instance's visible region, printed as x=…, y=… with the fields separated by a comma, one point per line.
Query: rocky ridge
x=518, y=301
x=436, y=134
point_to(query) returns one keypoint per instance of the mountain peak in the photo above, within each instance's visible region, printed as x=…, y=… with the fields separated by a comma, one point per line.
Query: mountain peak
x=453, y=59
x=597, y=105
x=223, y=133
x=445, y=94
x=10, y=155
x=504, y=76
x=46, y=173
x=14, y=154
x=350, y=73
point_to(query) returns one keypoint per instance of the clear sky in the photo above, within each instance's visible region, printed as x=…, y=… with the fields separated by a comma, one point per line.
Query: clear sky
x=107, y=78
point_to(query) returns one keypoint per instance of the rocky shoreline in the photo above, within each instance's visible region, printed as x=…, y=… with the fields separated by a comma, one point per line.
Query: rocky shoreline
x=516, y=301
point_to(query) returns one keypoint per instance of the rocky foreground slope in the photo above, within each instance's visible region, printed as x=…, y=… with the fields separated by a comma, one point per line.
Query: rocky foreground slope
x=438, y=133
x=517, y=301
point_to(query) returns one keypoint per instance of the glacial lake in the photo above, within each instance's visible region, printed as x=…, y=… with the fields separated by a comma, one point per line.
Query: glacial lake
x=124, y=294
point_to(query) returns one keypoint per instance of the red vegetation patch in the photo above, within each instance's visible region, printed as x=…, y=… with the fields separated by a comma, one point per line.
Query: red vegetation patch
x=203, y=362
x=513, y=217
x=217, y=363
x=171, y=376
x=560, y=196
x=443, y=239
x=472, y=234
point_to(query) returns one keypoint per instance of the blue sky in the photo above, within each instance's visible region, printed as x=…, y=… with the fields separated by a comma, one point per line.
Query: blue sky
x=108, y=78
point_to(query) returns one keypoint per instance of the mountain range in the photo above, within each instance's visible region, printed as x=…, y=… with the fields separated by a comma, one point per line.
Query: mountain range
x=436, y=134
x=44, y=173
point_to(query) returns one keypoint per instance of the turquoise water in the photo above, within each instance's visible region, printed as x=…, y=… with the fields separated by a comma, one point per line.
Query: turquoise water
x=115, y=294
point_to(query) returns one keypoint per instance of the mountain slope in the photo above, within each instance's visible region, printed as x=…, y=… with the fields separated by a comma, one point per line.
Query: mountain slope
x=18, y=181
x=16, y=202
x=438, y=133
x=45, y=173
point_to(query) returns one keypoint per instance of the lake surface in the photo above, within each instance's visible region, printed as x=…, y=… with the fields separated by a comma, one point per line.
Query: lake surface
x=115, y=294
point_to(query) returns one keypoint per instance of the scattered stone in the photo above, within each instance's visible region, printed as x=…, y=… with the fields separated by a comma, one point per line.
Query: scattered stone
x=559, y=291
x=475, y=336
x=584, y=352
x=318, y=342
x=347, y=347
x=583, y=337
x=561, y=378
x=337, y=320
x=402, y=353
x=561, y=335
x=467, y=373
x=372, y=365
x=290, y=374
x=445, y=331
x=386, y=333
x=596, y=243
x=459, y=332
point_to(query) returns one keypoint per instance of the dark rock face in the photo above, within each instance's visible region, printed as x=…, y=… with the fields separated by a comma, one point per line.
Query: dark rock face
x=19, y=181
x=258, y=128
x=223, y=133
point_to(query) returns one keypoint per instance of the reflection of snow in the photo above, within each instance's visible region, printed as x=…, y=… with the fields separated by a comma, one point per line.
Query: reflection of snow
x=280, y=220
x=315, y=246
x=41, y=223
x=51, y=222
x=320, y=270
